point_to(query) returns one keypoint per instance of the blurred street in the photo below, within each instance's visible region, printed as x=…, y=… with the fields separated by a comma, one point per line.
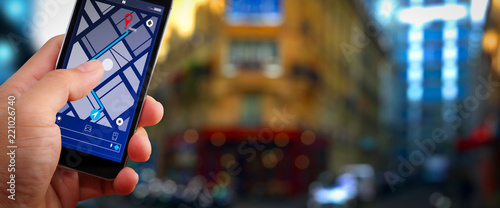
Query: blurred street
x=418, y=197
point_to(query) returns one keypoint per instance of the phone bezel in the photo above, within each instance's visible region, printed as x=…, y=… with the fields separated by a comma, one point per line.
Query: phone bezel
x=95, y=165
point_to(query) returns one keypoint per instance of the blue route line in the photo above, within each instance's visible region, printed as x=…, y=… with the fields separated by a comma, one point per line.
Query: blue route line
x=110, y=46
x=97, y=112
x=98, y=101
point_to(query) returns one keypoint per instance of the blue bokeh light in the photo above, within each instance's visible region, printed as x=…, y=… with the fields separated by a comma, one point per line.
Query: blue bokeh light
x=5, y=53
x=415, y=92
x=15, y=9
x=6, y=56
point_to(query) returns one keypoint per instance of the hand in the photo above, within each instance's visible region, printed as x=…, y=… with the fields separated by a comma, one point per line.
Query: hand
x=40, y=93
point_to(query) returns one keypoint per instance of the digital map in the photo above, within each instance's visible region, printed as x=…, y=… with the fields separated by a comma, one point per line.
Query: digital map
x=120, y=39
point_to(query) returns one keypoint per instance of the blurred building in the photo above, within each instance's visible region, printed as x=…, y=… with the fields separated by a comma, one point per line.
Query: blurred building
x=487, y=148
x=439, y=66
x=432, y=52
x=278, y=90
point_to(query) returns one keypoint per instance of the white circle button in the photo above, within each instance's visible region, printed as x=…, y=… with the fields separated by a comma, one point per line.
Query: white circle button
x=107, y=64
x=119, y=121
x=149, y=23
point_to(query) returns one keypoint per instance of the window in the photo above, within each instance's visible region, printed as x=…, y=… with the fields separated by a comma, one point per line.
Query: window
x=252, y=55
x=251, y=110
x=261, y=56
x=254, y=12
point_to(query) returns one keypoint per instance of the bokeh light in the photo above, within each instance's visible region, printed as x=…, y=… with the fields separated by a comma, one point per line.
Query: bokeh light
x=269, y=159
x=191, y=136
x=15, y=9
x=218, y=139
x=5, y=52
x=308, y=137
x=490, y=41
x=281, y=139
x=302, y=162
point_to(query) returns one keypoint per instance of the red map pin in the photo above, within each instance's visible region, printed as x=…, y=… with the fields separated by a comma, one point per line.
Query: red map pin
x=127, y=20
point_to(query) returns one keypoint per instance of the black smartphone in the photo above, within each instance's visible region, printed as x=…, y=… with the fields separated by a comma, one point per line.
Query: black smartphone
x=125, y=35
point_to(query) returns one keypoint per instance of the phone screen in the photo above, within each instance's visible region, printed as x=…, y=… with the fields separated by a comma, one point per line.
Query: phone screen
x=121, y=34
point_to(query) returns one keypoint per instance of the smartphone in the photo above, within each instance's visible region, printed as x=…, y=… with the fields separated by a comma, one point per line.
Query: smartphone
x=125, y=35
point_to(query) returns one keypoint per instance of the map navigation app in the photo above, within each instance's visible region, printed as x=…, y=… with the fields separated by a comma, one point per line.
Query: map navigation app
x=122, y=35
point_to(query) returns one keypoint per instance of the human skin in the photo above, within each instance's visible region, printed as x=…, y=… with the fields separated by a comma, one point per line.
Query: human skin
x=40, y=92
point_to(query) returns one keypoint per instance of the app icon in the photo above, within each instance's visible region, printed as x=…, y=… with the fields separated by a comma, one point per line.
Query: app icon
x=115, y=136
x=116, y=147
x=88, y=128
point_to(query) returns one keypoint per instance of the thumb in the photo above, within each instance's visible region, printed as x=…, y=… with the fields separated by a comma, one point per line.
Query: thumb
x=52, y=92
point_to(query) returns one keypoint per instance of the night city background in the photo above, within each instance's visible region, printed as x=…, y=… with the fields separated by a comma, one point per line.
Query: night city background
x=317, y=103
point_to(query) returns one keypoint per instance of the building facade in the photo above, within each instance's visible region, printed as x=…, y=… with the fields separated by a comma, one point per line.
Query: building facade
x=274, y=89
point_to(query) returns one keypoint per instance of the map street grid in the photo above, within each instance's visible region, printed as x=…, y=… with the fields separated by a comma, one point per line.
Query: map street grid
x=101, y=35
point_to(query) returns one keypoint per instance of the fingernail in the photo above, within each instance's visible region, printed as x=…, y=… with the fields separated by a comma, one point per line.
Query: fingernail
x=90, y=66
x=153, y=98
x=143, y=132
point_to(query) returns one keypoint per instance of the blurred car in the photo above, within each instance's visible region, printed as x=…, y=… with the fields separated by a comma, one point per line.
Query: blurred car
x=365, y=176
x=355, y=184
